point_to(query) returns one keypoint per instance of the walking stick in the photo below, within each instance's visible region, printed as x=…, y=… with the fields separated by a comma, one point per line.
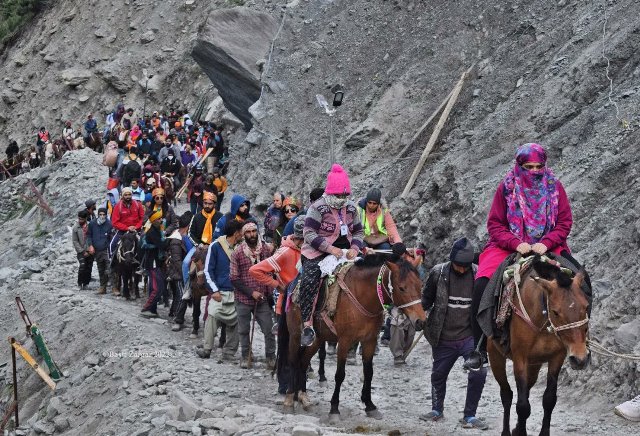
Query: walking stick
x=253, y=327
x=413, y=346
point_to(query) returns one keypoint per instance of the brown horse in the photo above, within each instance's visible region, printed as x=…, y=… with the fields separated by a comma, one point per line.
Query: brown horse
x=367, y=286
x=551, y=321
x=94, y=142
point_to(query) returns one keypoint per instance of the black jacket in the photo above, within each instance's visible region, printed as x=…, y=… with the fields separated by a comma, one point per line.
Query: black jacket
x=197, y=227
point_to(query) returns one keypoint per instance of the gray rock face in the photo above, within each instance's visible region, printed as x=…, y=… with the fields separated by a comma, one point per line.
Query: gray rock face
x=227, y=49
x=75, y=76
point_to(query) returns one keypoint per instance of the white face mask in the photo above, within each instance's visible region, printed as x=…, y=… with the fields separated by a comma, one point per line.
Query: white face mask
x=335, y=202
x=101, y=220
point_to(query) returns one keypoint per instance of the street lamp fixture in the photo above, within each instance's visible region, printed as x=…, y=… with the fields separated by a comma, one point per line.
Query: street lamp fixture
x=338, y=96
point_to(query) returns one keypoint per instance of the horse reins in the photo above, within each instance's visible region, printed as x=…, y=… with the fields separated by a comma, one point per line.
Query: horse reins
x=522, y=311
x=389, y=289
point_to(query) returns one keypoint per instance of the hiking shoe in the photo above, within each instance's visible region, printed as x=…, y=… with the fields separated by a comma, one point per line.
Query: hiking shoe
x=384, y=342
x=629, y=409
x=399, y=361
x=244, y=363
x=176, y=327
x=476, y=361
x=203, y=353
x=115, y=292
x=473, y=422
x=434, y=415
x=102, y=290
x=308, y=336
x=194, y=334
x=271, y=363
x=148, y=314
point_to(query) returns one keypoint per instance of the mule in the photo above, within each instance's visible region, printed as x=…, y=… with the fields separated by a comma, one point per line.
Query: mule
x=359, y=315
x=126, y=263
x=94, y=142
x=198, y=289
x=550, y=323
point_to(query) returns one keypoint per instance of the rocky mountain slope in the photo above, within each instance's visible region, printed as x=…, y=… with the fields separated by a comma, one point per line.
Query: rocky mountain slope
x=562, y=73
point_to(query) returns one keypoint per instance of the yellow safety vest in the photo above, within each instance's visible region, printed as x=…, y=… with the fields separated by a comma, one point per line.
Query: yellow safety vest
x=379, y=222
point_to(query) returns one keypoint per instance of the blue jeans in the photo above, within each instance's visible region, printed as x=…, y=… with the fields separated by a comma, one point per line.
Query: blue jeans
x=185, y=265
x=444, y=357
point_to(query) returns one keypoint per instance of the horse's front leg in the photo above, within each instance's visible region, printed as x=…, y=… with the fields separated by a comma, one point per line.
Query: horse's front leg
x=523, y=407
x=322, y=354
x=343, y=349
x=550, y=393
x=368, y=350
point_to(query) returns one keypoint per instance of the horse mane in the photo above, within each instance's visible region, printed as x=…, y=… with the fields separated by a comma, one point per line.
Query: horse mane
x=378, y=259
x=551, y=272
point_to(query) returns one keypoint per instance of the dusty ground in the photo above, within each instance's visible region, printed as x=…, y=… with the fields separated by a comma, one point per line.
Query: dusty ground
x=129, y=375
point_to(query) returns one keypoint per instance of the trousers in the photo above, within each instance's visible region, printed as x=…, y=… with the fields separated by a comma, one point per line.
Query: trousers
x=85, y=266
x=102, y=260
x=264, y=318
x=445, y=355
x=309, y=286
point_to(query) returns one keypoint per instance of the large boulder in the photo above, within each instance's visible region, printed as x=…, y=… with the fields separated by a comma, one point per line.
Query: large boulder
x=75, y=76
x=228, y=49
x=115, y=74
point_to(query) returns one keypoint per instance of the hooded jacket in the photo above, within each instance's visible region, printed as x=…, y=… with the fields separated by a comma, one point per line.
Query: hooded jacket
x=236, y=202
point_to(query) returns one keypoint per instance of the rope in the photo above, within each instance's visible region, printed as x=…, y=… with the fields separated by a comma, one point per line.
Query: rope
x=623, y=122
x=273, y=44
x=599, y=349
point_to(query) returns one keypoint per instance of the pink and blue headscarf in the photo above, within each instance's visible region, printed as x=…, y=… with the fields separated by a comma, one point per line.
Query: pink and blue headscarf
x=531, y=195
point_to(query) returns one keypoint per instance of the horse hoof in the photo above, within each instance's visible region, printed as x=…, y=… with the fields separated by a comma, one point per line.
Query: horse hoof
x=375, y=414
x=322, y=384
x=334, y=418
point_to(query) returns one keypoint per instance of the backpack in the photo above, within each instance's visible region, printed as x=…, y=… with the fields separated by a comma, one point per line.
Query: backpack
x=132, y=170
x=110, y=157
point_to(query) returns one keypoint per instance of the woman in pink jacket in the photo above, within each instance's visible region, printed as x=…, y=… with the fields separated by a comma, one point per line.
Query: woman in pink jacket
x=530, y=213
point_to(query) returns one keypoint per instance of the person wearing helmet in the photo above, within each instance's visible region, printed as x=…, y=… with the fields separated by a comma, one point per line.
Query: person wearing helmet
x=196, y=189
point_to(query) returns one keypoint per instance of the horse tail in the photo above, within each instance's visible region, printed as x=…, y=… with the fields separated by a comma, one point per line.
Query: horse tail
x=283, y=342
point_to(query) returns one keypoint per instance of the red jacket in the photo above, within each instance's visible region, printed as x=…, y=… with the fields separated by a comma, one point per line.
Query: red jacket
x=123, y=217
x=498, y=226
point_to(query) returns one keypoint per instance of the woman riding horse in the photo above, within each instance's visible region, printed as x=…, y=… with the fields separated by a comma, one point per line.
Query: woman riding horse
x=530, y=213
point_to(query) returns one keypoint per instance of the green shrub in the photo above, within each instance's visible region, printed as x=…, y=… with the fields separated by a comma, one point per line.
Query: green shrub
x=14, y=14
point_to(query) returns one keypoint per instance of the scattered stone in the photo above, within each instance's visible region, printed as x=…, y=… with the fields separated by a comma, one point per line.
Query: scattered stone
x=519, y=82
x=178, y=426
x=44, y=427
x=54, y=407
x=188, y=407
x=306, y=430
x=147, y=37
x=61, y=424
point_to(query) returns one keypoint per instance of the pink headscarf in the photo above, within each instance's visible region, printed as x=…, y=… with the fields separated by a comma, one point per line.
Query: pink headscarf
x=531, y=195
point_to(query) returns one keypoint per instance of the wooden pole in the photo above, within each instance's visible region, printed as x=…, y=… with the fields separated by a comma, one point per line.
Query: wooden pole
x=424, y=126
x=436, y=132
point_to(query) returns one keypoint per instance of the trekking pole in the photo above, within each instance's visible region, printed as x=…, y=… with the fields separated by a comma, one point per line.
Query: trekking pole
x=253, y=327
x=413, y=346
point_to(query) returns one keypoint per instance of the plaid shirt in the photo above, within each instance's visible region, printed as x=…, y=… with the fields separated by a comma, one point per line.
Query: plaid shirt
x=240, y=265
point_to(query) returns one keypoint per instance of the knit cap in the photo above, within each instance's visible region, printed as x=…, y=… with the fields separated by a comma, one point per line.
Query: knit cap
x=337, y=181
x=462, y=252
x=374, y=195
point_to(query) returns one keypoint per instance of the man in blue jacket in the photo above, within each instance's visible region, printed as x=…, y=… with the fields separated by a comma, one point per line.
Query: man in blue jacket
x=240, y=210
x=98, y=238
x=220, y=304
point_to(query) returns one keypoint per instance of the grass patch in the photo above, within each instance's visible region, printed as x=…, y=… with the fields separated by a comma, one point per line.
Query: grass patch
x=14, y=14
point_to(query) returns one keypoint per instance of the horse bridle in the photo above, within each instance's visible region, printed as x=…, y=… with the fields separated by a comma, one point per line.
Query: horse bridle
x=122, y=254
x=389, y=288
x=552, y=327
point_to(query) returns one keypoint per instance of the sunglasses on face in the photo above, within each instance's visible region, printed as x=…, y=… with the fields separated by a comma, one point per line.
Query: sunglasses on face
x=292, y=209
x=159, y=197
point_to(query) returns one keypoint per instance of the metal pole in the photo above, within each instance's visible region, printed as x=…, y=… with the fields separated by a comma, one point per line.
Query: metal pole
x=15, y=385
x=332, y=157
x=144, y=107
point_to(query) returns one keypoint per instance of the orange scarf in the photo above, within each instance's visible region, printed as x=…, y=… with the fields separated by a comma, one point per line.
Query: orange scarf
x=207, y=233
